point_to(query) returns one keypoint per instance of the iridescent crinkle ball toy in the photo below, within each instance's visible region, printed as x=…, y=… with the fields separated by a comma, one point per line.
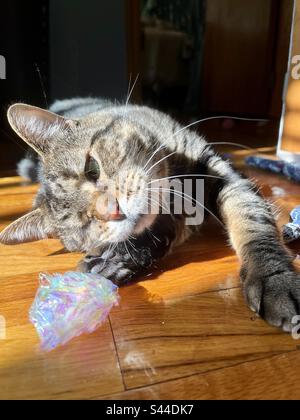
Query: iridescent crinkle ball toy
x=69, y=305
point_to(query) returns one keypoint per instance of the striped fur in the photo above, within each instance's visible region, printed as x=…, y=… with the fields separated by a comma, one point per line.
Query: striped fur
x=136, y=145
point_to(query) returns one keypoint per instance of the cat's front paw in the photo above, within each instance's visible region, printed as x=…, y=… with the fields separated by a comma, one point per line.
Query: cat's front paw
x=275, y=298
x=110, y=265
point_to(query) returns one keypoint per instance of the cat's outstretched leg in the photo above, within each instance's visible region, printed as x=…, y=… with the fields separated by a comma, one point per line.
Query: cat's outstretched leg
x=270, y=282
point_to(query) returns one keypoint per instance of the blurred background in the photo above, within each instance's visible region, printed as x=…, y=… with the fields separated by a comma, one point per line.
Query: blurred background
x=193, y=59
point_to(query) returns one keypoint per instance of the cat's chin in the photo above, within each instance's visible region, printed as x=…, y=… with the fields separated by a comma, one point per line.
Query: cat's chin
x=143, y=223
x=122, y=231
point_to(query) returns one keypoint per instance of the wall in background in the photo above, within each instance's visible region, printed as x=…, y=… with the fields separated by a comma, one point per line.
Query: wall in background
x=79, y=48
x=24, y=45
x=88, y=50
x=240, y=56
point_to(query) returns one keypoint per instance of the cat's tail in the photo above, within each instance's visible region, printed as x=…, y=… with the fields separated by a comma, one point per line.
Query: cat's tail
x=28, y=167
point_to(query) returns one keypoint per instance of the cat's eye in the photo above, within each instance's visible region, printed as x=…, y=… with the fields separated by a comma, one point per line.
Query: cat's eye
x=92, y=169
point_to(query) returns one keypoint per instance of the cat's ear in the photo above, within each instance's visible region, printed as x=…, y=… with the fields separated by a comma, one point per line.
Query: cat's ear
x=36, y=126
x=28, y=228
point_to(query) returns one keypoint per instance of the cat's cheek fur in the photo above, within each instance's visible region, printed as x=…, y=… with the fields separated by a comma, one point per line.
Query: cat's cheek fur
x=145, y=222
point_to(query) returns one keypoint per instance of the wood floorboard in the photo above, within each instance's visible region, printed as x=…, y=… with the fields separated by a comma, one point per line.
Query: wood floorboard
x=181, y=331
x=273, y=378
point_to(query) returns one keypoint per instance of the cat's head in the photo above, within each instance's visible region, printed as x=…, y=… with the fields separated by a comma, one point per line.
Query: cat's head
x=94, y=178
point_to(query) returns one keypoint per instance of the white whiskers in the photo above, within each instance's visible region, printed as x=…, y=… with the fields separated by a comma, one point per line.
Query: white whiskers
x=214, y=143
x=132, y=89
x=185, y=176
x=160, y=161
x=226, y=143
x=152, y=156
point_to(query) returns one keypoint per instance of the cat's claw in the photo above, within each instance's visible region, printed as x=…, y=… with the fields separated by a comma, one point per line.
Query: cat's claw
x=276, y=299
x=111, y=266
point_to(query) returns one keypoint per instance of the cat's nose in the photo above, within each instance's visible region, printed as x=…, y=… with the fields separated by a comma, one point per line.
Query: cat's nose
x=106, y=207
x=116, y=213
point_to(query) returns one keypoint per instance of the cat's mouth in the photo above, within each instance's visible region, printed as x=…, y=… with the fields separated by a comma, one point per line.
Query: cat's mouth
x=106, y=208
x=122, y=220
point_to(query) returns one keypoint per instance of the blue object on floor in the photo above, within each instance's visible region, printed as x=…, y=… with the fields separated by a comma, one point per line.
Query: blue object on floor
x=291, y=231
x=295, y=216
x=290, y=170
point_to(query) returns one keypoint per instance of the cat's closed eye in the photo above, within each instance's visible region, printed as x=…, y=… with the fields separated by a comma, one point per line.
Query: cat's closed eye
x=92, y=169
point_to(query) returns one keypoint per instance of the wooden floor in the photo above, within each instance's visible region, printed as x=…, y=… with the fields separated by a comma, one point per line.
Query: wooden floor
x=182, y=333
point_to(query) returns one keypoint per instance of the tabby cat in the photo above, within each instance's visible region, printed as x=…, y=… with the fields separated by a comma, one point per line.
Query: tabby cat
x=83, y=145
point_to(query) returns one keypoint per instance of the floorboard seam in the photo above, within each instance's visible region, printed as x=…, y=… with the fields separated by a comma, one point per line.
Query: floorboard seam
x=117, y=353
x=145, y=387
